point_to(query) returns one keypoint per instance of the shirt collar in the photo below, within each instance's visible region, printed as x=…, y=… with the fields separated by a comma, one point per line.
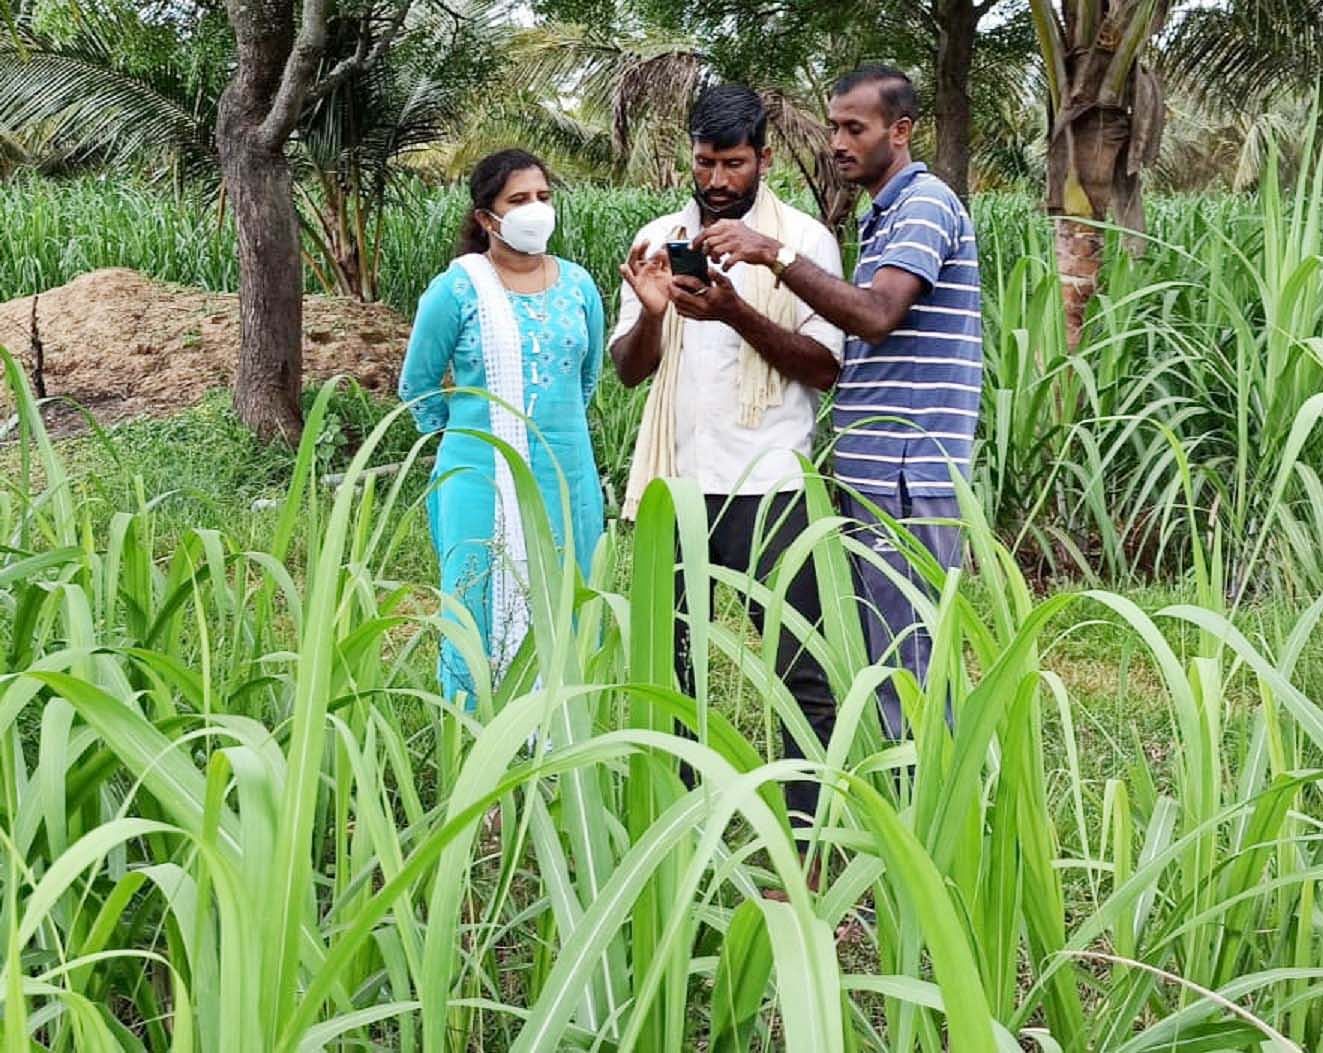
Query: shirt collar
x=886, y=197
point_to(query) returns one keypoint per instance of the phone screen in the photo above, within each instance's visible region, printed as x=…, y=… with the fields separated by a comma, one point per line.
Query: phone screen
x=687, y=260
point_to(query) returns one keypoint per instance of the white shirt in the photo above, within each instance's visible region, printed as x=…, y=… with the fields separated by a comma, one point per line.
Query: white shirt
x=710, y=444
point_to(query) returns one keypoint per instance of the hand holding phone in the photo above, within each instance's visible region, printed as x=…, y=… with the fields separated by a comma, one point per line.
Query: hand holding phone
x=687, y=261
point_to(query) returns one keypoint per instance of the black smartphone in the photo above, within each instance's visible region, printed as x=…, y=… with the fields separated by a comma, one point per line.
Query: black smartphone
x=688, y=261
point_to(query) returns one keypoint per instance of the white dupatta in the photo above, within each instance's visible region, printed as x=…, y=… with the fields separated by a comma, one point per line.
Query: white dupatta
x=502, y=358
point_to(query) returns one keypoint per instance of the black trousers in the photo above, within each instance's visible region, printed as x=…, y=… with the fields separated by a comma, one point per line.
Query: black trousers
x=730, y=544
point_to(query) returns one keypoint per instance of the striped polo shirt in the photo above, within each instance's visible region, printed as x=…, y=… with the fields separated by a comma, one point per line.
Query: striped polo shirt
x=907, y=407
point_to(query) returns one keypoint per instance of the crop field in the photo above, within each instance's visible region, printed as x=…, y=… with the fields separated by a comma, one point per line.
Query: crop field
x=236, y=814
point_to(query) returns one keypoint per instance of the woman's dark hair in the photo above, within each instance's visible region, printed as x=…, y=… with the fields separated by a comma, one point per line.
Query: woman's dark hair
x=485, y=185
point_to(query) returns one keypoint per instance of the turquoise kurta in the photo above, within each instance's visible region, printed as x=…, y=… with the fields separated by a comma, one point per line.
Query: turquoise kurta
x=561, y=335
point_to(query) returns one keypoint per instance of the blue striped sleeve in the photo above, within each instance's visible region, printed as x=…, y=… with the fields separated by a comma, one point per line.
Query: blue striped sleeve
x=923, y=236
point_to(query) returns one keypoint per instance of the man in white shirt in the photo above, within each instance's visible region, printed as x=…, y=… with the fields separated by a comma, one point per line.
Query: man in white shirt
x=736, y=394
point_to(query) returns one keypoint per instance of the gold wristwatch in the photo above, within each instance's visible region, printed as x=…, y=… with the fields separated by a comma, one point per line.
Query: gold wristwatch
x=785, y=256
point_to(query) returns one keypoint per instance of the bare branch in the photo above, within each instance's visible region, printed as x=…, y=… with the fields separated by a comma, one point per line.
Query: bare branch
x=296, y=85
x=367, y=54
x=299, y=71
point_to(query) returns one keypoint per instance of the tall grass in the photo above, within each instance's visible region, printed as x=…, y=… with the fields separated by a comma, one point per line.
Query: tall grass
x=1197, y=382
x=56, y=231
x=235, y=815
x=1206, y=348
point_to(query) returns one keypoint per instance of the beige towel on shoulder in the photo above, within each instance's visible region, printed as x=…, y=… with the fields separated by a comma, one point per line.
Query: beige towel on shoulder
x=761, y=386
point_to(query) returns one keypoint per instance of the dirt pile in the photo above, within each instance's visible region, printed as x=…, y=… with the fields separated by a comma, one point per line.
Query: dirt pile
x=122, y=345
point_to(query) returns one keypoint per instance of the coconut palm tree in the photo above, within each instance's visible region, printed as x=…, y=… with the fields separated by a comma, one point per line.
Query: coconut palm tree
x=105, y=87
x=1240, y=66
x=631, y=85
x=637, y=84
x=574, y=145
x=353, y=140
x=1207, y=144
x=1106, y=115
x=1249, y=70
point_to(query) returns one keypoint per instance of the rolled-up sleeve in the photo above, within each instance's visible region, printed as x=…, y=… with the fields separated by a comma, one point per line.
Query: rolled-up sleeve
x=431, y=348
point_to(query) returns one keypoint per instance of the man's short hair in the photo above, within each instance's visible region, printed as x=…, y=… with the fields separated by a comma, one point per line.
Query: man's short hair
x=895, y=89
x=727, y=116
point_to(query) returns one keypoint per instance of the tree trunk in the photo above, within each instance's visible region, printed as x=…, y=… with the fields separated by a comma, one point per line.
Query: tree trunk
x=270, y=372
x=1081, y=162
x=1079, y=258
x=1105, y=118
x=1091, y=175
x=957, y=23
x=259, y=186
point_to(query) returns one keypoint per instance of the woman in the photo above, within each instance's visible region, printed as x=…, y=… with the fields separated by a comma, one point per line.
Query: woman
x=526, y=328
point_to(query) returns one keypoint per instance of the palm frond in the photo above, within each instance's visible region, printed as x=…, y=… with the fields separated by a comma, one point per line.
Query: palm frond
x=558, y=57
x=423, y=92
x=83, y=107
x=571, y=146
x=638, y=85
x=108, y=84
x=1278, y=126
x=1246, y=49
x=798, y=128
x=1207, y=146
x=661, y=85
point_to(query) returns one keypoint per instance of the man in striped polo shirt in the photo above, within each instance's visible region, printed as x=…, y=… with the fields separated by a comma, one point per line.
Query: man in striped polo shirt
x=908, y=396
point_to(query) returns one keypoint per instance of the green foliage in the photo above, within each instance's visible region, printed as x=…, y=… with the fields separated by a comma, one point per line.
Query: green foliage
x=1243, y=52
x=58, y=230
x=107, y=80
x=168, y=43
x=1077, y=470
x=113, y=83
x=1198, y=365
x=236, y=814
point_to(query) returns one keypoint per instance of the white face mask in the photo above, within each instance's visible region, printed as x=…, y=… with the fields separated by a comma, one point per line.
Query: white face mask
x=527, y=228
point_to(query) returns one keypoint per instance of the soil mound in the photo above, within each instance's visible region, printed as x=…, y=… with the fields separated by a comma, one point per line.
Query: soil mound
x=122, y=345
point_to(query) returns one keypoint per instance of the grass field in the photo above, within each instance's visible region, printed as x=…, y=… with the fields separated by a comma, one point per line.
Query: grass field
x=235, y=814
x=190, y=640
x=1197, y=364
